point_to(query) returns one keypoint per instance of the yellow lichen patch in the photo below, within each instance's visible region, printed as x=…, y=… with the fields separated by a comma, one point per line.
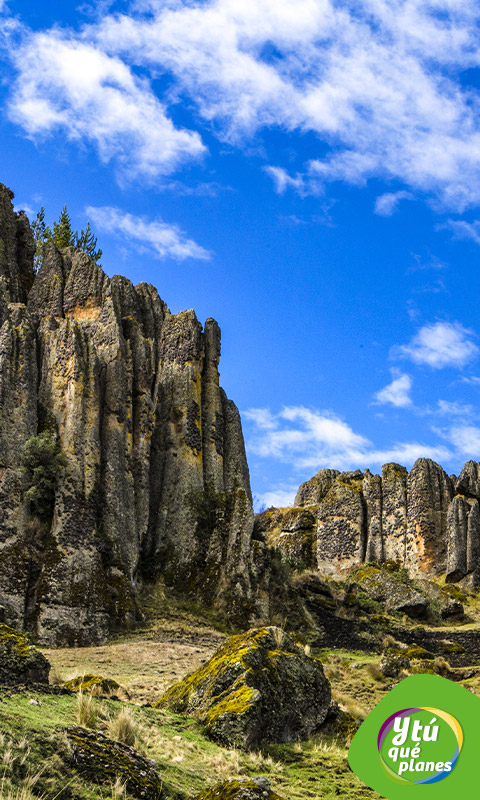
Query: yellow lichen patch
x=232, y=652
x=236, y=702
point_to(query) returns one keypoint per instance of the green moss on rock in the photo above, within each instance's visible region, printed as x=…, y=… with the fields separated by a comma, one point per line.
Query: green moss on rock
x=20, y=661
x=447, y=648
x=239, y=790
x=259, y=687
x=94, y=684
x=415, y=652
x=103, y=760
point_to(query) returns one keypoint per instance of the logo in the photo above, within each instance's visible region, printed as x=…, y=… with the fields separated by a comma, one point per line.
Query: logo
x=419, y=745
x=421, y=742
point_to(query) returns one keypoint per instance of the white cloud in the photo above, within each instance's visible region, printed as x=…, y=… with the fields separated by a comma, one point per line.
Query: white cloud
x=282, y=180
x=449, y=408
x=375, y=80
x=462, y=229
x=466, y=440
x=310, y=439
x=72, y=86
x=407, y=453
x=26, y=208
x=386, y=204
x=162, y=239
x=397, y=393
x=440, y=344
x=279, y=497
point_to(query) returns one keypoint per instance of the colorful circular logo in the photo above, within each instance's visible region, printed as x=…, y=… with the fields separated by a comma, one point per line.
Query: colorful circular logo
x=419, y=745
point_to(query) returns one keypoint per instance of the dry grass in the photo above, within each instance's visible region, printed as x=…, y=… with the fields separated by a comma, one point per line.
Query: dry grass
x=86, y=711
x=125, y=728
x=145, y=668
x=279, y=636
x=56, y=678
x=330, y=748
x=119, y=790
x=23, y=792
x=375, y=672
x=352, y=707
x=263, y=763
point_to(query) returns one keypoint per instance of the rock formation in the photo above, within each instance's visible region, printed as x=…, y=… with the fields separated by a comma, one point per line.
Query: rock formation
x=154, y=479
x=259, y=687
x=424, y=520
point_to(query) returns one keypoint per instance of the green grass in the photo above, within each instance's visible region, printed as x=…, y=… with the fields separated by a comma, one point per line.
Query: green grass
x=32, y=743
x=34, y=759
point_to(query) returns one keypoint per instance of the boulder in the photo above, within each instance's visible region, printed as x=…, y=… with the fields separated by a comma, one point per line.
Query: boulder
x=259, y=687
x=387, y=588
x=243, y=789
x=20, y=661
x=103, y=760
x=95, y=684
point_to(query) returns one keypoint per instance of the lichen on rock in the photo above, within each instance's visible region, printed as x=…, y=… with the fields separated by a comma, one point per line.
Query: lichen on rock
x=259, y=687
x=96, y=685
x=104, y=760
x=20, y=661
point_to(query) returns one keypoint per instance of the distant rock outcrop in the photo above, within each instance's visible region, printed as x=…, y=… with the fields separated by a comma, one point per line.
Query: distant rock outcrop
x=424, y=520
x=155, y=481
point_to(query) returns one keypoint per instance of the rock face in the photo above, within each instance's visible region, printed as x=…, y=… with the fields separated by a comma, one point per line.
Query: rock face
x=259, y=687
x=425, y=521
x=155, y=482
x=20, y=661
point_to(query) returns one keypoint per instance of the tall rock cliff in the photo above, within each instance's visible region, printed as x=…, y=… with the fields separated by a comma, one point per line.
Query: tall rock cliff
x=154, y=479
x=424, y=520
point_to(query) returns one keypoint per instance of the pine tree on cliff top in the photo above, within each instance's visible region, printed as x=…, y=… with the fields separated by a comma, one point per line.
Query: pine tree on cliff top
x=62, y=230
x=62, y=236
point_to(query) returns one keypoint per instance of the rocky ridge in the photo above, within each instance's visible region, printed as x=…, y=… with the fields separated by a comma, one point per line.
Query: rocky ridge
x=155, y=481
x=423, y=520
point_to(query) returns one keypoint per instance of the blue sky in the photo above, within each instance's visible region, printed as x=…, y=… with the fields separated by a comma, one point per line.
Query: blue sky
x=307, y=172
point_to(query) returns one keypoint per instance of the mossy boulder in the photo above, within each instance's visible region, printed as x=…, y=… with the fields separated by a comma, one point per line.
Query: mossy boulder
x=256, y=789
x=391, y=589
x=20, y=661
x=103, y=760
x=259, y=687
x=96, y=685
x=450, y=648
x=392, y=665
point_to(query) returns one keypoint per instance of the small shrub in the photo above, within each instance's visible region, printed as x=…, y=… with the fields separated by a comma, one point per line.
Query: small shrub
x=43, y=461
